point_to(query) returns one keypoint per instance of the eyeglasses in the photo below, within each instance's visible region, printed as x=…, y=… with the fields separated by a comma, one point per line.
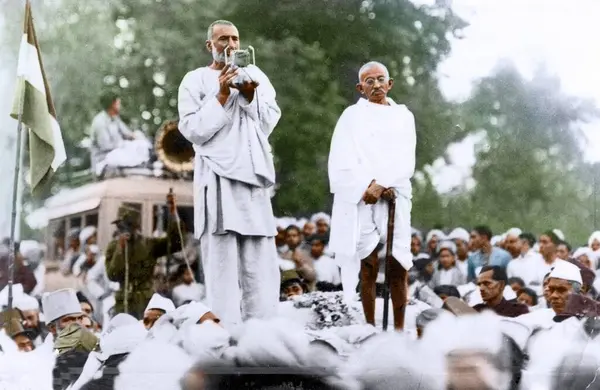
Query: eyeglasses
x=380, y=80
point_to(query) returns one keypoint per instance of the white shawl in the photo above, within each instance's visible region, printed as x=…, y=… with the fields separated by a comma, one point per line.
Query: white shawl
x=370, y=141
x=231, y=139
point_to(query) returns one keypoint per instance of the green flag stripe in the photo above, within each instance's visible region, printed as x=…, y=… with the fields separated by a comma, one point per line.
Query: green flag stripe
x=41, y=148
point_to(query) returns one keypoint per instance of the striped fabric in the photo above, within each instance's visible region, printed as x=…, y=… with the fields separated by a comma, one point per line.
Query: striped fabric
x=33, y=99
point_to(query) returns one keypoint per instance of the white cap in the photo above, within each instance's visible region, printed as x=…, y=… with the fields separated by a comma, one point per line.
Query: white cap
x=514, y=232
x=280, y=223
x=120, y=320
x=26, y=303
x=122, y=335
x=584, y=251
x=28, y=246
x=161, y=303
x=447, y=244
x=321, y=216
x=566, y=271
x=559, y=234
x=17, y=292
x=60, y=303
x=459, y=234
x=94, y=249
x=86, y=233
x=437, y=233
x=302, y=222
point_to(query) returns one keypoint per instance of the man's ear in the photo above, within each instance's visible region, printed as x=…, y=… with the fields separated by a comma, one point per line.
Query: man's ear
x=390, y=84
x=359, y=88
x=208, y=46
x=52, y=328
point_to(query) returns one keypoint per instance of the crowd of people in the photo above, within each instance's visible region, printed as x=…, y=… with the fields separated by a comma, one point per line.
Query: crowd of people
x=512, y=311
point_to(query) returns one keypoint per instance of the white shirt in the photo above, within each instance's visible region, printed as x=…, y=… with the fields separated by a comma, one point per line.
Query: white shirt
x=463, y=266
x=541, y=269
x=234, y=169
x=327, y=270
x=188, y=292
x=445, y=277
x=525, y=267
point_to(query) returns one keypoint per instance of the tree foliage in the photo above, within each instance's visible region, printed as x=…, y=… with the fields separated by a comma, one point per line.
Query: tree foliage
x=529, y=171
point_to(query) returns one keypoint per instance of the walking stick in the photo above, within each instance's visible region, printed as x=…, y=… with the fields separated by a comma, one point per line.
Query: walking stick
x=388, y=259
x=126, y=297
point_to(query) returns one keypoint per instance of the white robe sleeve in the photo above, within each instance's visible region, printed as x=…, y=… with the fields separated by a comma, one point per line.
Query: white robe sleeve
x=348, y=180
x=200, y=116
x=101, y=137
x=263, y=107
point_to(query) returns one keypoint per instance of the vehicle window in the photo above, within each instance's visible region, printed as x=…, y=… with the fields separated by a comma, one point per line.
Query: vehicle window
x=91, y=219
x=186, y=213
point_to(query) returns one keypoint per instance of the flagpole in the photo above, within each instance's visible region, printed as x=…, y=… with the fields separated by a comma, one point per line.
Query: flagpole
x=16, y=210
x=20, y=189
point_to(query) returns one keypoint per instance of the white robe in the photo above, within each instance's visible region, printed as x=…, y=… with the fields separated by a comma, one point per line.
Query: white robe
x=327, y=270
x=525, y=267
x=233, y=173
x=371, y=142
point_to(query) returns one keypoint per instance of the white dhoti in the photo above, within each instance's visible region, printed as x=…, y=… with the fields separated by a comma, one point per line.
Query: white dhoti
x=373, y=227
x=245, y=261
x=372, y=231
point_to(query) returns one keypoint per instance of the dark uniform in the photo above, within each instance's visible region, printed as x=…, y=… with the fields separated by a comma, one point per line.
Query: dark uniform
x=142, y=253
x=504, y=308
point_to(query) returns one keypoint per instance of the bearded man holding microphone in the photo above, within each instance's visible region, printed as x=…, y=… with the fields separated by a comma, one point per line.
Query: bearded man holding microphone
x=228, y=112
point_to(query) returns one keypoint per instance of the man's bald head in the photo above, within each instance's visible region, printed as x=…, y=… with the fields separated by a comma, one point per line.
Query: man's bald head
x=374, y=82
x=371, y=64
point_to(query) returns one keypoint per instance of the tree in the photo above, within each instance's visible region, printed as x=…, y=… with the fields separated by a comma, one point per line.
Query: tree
x=529, y=172
x=78, y=56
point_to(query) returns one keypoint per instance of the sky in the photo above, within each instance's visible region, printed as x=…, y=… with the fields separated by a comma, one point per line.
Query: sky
x=562, y=34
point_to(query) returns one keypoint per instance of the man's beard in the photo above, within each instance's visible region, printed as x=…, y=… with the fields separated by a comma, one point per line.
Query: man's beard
x=218, y=57
x=35, y=332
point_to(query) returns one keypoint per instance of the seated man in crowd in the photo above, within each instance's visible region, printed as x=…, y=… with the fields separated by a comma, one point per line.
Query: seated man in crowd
x=22, y=274
x=491, y=281
x=297, y=259
x=157, y=307
x=11, y=322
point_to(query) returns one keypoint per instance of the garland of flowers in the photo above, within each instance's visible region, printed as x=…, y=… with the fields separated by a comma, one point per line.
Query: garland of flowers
x=330, y=309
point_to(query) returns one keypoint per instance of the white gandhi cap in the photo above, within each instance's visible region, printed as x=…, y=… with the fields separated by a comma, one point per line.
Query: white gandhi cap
x=60, y=303
x=26, y=303
x=160, y=303
x=566, y=271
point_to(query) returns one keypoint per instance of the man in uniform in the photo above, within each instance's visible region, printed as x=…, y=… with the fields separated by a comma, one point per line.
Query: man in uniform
x=141, y=254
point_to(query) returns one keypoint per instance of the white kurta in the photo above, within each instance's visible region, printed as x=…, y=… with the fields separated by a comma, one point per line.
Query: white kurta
x=327, y=270
x=371, y=142
x=233, y=173
x=525, y=267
